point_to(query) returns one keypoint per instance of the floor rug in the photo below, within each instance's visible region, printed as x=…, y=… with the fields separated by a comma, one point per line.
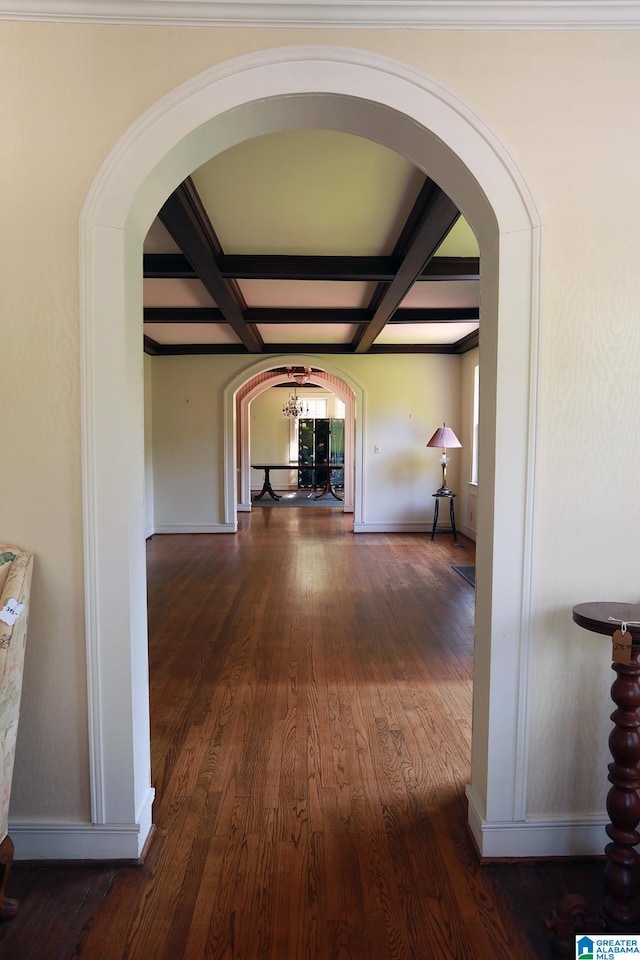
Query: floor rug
x=469, y=574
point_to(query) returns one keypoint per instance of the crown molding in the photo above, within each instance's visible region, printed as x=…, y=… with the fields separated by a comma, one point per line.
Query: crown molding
x=417, y=14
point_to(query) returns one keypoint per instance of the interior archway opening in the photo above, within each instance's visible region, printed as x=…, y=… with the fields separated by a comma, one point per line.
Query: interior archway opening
x=386, y=102
x=266, y=380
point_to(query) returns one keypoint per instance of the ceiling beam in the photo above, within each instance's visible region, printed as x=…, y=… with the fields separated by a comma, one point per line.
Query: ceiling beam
x=226, y=349
x=187, y=221
x=175, y=266
x=276, y=267
x=470, y=342
x=432, y=218
x=151, y=347
x=434, y=315
x=305, y=315
x=311, y=315
x=167, y=266
x=183, y=315
x=451, y=268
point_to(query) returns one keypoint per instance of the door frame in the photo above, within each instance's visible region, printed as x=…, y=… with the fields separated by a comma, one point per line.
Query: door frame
x=367, y=95
x=250, y=384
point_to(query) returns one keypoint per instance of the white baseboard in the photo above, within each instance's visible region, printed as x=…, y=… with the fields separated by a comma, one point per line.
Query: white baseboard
x=53, y=840
x=541, y=837
x=390, y=526
x=195, y=528
x=466, y=531
x=244, y=508
x=77, y=840
x=144, y=818
x=149, y=531
x=410, y=526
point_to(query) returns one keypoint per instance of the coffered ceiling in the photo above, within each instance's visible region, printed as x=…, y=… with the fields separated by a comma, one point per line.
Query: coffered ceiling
x=314, y=241
x=311, y=240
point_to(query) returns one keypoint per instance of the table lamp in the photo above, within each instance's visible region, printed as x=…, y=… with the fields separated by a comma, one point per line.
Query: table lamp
x=444, y=437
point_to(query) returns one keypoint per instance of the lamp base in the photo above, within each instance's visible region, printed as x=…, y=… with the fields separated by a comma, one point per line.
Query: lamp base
x=443, y=491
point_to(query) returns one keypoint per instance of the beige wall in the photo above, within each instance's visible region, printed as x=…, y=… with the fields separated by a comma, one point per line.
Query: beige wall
x=565, y=106
x=406, y=398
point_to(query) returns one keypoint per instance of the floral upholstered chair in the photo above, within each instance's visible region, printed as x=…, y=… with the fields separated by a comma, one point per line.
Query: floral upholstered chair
x=15, y=585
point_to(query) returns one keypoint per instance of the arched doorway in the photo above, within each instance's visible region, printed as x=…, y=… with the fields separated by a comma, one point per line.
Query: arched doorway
x=249, y=385
x=383, y=100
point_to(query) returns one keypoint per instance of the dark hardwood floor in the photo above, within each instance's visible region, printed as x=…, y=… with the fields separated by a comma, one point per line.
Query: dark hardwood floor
x=310, y=695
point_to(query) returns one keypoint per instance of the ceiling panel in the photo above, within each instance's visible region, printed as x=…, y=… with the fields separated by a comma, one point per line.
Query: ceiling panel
x=174, y=333
x=305, y=293
x=159, y=240
x=175, y=293
x=461, y=242
x=424, y=333
x=447, y=293
x=307, y=333
x=308, y=192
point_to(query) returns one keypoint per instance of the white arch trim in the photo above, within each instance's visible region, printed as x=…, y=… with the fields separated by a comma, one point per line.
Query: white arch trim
x=385, y=101
x=346, y=388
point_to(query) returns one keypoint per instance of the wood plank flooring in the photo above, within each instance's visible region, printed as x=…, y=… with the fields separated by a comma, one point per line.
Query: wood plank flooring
x=310, y=694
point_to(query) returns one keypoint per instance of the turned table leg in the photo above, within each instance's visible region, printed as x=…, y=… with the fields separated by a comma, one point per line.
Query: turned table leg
x=620, y=909
x=8, y=906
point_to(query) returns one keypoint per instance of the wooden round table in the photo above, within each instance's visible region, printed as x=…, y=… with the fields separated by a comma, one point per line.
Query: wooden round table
x=603, y=617
x=620, y=909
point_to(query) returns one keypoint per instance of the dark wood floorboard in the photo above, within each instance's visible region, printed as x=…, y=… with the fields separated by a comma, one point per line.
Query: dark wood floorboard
x=310, y=695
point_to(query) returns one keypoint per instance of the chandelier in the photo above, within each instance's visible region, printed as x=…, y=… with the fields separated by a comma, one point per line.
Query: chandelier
x=295, y=407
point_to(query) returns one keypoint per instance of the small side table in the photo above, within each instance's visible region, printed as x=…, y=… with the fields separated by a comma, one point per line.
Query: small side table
x=620, y=909
x=452, y=515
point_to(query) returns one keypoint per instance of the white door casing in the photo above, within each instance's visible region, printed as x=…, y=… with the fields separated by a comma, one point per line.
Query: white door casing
x=364, y=94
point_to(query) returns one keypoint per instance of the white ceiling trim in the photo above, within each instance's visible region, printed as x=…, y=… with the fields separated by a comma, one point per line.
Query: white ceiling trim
x=428, y=14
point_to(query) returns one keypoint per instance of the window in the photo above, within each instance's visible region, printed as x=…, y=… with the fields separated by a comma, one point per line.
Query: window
x=315, y=409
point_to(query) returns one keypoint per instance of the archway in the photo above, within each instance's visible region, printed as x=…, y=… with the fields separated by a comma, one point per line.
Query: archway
x=385, y=101
x=249, y=385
